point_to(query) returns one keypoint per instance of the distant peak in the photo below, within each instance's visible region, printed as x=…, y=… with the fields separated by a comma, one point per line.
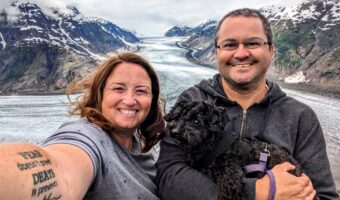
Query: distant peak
x=74, y=9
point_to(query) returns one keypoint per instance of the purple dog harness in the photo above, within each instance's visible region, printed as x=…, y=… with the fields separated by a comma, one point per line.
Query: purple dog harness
x=261, y=167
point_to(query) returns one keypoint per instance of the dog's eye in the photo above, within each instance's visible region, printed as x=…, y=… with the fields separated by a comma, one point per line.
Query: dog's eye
x=196, y=122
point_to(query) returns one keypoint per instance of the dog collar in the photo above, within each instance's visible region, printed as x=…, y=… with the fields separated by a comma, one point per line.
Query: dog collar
x=260, y=167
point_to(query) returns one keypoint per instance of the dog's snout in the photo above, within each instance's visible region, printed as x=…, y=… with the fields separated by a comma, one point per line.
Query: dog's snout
x=175, y=130
x=176, y=127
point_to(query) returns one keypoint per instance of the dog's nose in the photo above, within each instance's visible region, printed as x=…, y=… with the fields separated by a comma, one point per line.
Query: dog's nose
x=175, y=130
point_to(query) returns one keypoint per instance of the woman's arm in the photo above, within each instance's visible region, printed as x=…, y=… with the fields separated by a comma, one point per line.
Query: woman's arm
x=59, y=171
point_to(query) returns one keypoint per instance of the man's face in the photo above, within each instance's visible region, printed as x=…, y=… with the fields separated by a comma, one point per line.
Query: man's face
x=243, y=67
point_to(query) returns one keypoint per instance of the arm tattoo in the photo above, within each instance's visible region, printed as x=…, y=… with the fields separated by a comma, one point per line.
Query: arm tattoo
x=43, y=180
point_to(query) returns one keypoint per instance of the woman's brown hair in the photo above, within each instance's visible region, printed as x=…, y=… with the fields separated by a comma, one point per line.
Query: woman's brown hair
x=88, y=104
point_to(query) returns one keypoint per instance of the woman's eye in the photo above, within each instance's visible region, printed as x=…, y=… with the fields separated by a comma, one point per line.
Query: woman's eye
x=141, y=92
x=118, y=89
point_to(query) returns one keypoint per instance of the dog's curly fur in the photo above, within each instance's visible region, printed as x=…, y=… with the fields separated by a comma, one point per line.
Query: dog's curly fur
x=198, y=126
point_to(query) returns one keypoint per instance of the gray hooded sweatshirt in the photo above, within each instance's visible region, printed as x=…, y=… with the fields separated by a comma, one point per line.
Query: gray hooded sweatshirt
x=277, y=119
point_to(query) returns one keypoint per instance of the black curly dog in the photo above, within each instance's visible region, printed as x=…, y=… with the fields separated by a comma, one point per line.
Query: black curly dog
x=203, y=130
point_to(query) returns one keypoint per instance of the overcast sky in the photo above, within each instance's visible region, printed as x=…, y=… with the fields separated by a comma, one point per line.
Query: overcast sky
x=154, y=17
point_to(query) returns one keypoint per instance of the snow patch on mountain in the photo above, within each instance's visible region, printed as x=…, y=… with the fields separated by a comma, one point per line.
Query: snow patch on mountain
x=297, y=77
x=307, y=10
x=24, y=28
x=2, y=41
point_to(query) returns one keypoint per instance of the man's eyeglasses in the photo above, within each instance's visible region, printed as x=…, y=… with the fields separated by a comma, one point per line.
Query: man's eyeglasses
x=251, y=43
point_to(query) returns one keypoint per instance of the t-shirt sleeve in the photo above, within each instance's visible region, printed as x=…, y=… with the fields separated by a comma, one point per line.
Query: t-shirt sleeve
x=83, y=135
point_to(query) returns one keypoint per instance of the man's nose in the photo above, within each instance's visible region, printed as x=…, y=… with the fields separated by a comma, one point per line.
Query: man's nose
x=241, y=52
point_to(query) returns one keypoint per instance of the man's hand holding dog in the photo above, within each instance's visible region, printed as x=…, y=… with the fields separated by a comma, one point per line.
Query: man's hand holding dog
x=288, y=186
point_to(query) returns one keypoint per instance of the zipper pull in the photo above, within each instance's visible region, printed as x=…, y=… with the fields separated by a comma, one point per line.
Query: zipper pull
x=244, y=115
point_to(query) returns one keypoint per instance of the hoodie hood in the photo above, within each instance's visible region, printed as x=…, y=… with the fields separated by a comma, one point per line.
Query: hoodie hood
x=213, y=87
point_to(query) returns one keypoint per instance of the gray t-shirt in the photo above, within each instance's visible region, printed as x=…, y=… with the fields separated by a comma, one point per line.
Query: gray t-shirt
x=118, y=173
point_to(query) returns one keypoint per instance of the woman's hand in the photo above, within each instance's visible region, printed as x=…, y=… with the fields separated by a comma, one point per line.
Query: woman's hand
x=288, y=186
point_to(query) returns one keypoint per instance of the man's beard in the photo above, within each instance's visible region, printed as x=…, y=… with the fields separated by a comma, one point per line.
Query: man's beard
x=240, y=86
x=245, y=86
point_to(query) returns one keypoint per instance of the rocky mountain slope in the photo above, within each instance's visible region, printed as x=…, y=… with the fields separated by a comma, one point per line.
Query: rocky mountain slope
x=42, y=50
x=178, y=31
x=306, y=36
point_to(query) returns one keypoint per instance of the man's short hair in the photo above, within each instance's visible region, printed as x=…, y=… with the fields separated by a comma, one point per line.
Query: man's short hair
x=247, y=12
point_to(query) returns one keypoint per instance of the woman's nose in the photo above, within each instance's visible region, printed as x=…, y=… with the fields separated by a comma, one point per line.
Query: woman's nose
x=129, y=99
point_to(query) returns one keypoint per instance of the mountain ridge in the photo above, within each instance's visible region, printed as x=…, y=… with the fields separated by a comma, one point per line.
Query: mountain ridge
x=43, y=50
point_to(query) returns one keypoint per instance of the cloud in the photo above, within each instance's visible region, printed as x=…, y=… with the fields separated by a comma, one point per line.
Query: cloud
x=154, y=17
x=12, y=13
x=4, y=4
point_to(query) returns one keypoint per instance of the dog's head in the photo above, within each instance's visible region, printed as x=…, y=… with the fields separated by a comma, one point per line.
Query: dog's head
x=197, y=125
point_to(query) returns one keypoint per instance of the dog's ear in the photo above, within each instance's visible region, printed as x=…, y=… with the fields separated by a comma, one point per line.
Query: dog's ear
x=177, y=110
x=172, y=114
x=219, y=115
x=194, y=108
x=168, y=117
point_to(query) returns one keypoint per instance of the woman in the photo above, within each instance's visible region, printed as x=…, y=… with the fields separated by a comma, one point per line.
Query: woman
x=107, y=154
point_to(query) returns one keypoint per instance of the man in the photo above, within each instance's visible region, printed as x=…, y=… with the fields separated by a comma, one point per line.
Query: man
x=244, y=51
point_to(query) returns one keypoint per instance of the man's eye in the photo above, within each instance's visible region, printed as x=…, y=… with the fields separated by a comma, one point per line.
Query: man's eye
x=252, y=44
x=229, y=45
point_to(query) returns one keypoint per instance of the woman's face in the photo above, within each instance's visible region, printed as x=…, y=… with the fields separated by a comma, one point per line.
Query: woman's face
x=127, y=97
